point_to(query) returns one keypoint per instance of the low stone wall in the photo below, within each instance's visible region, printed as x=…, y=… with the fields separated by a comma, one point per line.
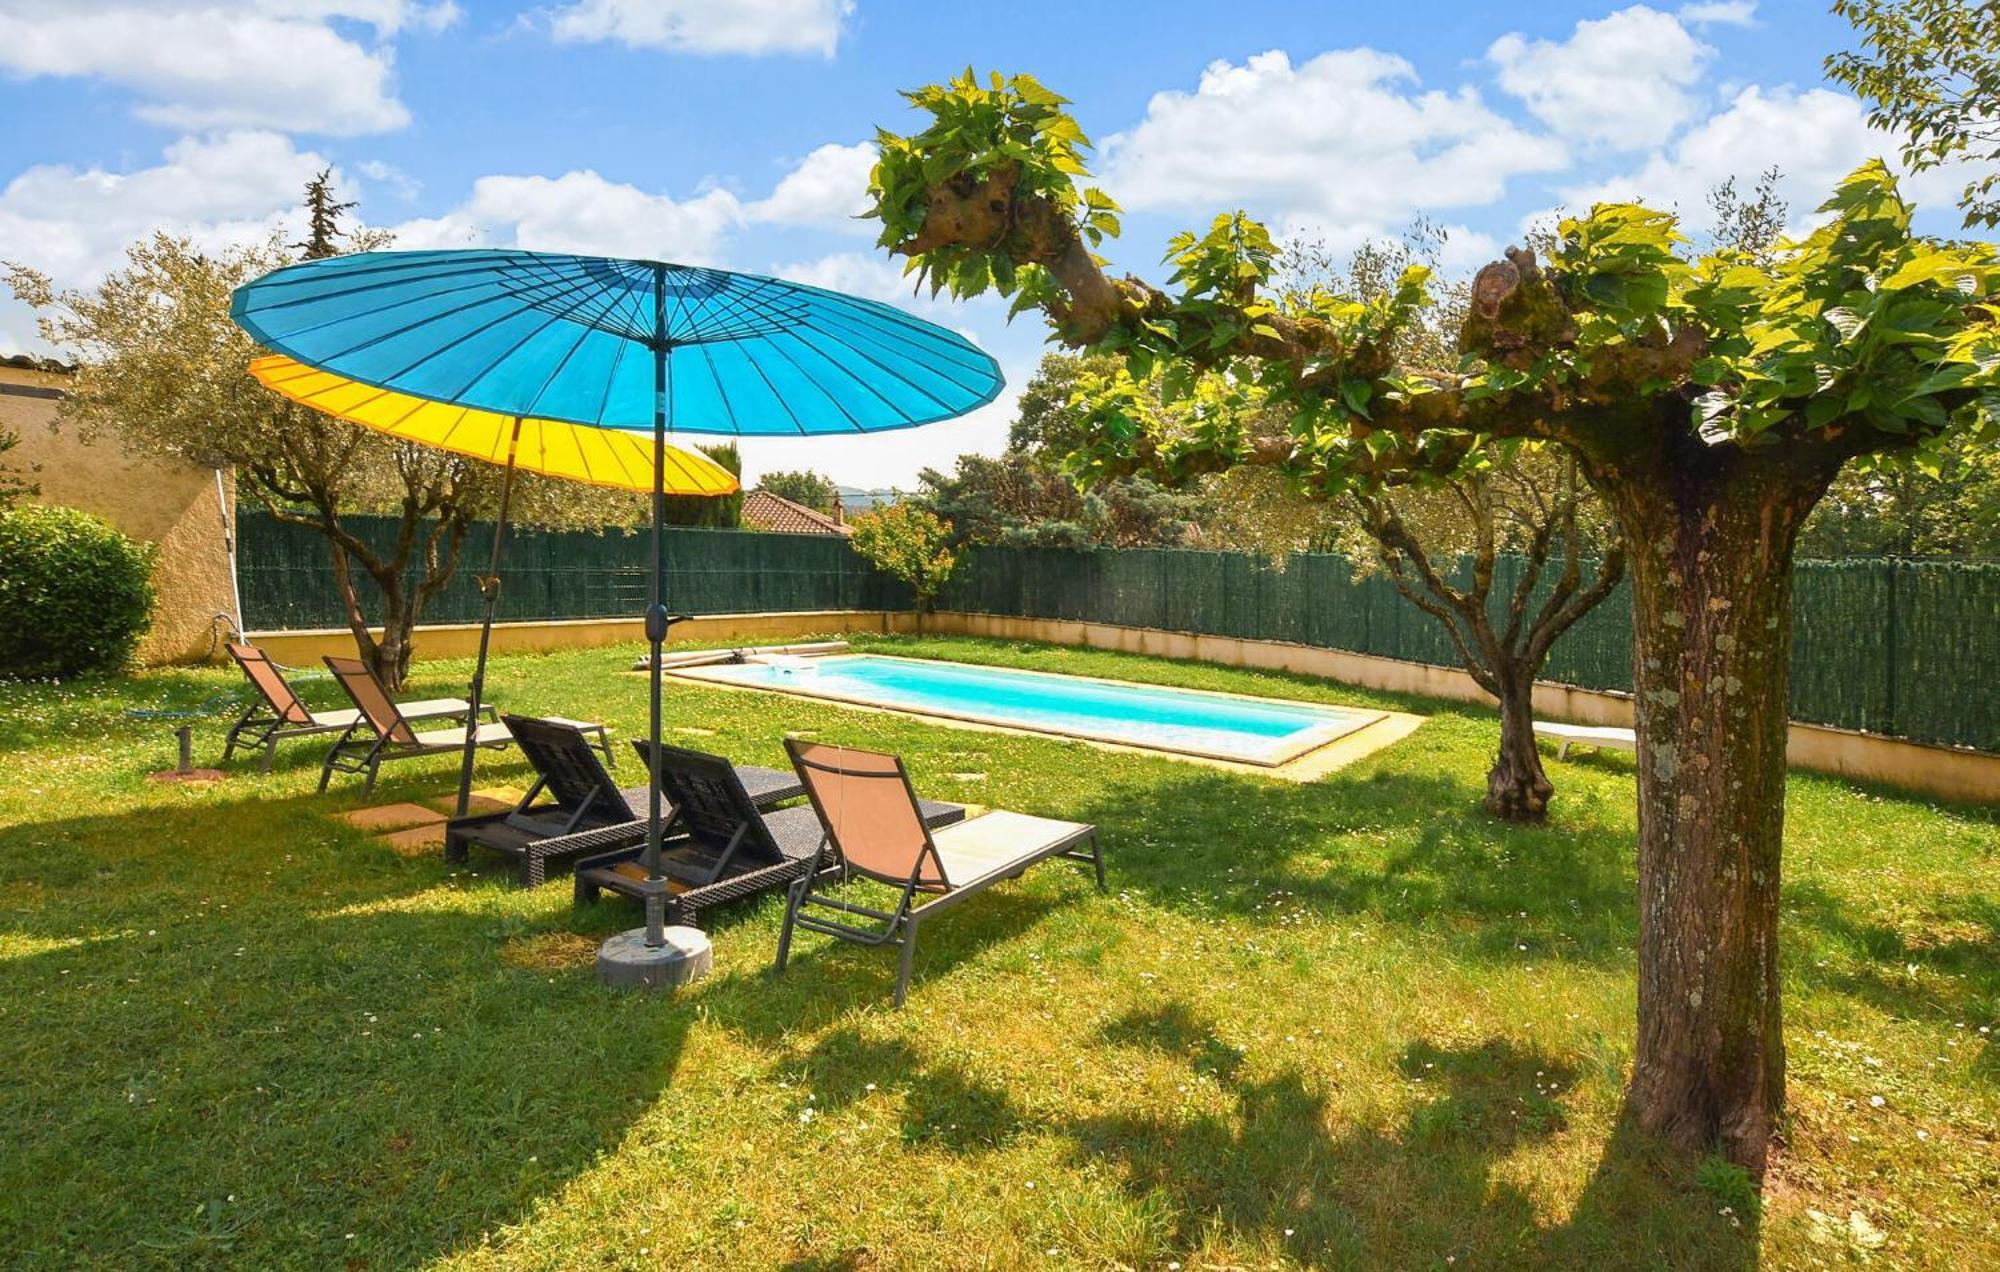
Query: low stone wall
x=1930, y=770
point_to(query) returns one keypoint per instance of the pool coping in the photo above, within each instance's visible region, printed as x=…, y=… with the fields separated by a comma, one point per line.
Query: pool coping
x=1307, y=759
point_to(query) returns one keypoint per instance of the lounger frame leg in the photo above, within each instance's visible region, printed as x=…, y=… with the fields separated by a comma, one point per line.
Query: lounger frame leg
x=794, y=896
x=907, y=961
x=235, y=731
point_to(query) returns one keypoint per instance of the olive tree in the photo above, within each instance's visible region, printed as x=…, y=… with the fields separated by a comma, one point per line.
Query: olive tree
x=161, y=366
x=1709, y=399
x=1535, y=506
x=1521, y=497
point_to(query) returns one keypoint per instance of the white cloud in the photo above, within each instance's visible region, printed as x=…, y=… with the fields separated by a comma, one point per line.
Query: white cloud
x=1466, y=249
x=388, y=17
x=1626, y=80
x=582, y=212
x=707, y=26
x=827, y=190
x=268, y=64
x=388, y=178
x=877, y=276
x=1813, y=138
x=871, y=276
x=74, y=224
x=1343, y=141
x=895, y=459
x=1720, y=13
x=890, y=459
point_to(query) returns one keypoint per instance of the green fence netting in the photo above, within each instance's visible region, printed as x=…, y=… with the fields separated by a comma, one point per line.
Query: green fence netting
x=287, y=578
x=1907, y=648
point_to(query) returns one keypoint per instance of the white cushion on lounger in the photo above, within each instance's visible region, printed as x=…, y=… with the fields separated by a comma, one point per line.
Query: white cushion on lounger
x=993, y=843
x=428, y=709
x=456, y=737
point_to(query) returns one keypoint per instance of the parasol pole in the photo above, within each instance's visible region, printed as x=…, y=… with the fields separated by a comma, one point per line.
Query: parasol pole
x=656, y=617
x=489, y=588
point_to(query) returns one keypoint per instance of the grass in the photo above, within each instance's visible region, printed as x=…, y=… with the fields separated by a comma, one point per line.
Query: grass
x=1349, y=1024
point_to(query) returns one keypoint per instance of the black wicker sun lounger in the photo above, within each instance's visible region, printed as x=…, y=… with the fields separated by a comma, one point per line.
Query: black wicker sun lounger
x=874, y=829
x=277, y=713
x=574, y=808
x=721, y=847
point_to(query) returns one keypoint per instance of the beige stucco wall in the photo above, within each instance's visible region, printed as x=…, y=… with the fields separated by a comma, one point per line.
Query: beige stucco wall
x=158, y=501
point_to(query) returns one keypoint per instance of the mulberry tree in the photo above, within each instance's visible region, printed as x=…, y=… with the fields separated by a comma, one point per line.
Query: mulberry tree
x=1709, y=399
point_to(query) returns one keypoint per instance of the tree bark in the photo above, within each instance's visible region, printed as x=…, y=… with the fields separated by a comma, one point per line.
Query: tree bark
x=1711, y=534
x=1517, y=789
x=350, y=602
x=391, y=656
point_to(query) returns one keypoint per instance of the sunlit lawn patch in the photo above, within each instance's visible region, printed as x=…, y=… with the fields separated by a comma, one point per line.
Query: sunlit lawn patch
x=1350, y=1023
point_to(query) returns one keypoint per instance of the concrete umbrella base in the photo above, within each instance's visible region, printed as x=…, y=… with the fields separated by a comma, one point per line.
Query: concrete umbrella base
x=626, y=962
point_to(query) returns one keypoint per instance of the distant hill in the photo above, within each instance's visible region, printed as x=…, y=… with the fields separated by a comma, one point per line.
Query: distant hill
x=854, y=500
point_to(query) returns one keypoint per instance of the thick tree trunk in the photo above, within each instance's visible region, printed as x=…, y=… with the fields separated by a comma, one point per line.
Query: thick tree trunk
x=1711, y=542
x=1517, y=789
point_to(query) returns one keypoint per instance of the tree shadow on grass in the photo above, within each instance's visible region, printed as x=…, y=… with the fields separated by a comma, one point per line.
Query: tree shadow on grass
x=1952, y=978
x=1409, y=850
x=1274, y=1167
x=91, y=876
x=220, y=1065
x=826, y=978
x=944, y=1106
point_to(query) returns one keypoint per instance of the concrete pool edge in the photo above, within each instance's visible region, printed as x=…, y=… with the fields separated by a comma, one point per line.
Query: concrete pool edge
x=1312, y=758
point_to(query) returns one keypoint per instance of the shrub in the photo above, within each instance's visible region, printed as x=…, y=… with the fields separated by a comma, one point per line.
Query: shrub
x=77, y=595
x=909, y=543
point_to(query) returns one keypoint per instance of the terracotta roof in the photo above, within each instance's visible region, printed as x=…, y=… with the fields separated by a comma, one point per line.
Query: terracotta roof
x=29, y=362
x=767, y=511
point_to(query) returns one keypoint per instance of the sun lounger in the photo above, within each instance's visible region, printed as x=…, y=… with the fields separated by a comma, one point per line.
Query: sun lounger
x=721, y=847
x=869, y=812
x=574, y=808
x=277, y=713
x=1569, y=735
x=382, y=732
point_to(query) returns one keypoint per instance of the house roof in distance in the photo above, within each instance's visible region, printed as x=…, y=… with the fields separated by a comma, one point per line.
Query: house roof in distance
x=767, y=511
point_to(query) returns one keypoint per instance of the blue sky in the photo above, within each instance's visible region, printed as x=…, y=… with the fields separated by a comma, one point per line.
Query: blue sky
x=736, y=134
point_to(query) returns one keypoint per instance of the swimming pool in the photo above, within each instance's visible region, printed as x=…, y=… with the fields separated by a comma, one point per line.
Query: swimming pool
x=1190, y=721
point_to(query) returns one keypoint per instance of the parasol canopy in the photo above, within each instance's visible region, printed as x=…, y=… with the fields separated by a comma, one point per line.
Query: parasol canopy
x=554, y=448
x=607, y=343
x=575, y=339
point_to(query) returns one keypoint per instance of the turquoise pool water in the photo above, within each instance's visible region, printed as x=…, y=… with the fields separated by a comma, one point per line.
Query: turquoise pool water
x=1247, y=730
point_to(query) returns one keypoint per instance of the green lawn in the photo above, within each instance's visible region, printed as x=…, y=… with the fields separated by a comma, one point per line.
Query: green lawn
x=1350, y=1024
